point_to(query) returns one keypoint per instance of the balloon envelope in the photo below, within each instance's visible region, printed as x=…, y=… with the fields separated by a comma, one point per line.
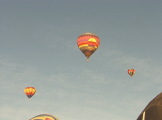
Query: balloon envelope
x=29, y=91
x=131, y=72
x=153, y=111
x=44, y=117
x=88, y=43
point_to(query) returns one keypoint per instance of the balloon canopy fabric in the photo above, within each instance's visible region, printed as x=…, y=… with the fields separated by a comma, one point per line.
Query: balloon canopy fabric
x=131, y=72
x=88, y=43
x=29, y=91
x=44, y=117
x=153, y=111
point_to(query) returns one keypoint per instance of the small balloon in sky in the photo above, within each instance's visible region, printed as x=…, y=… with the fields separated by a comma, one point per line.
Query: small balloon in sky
x=88, y=43
x=131, y=72
x=29, y=91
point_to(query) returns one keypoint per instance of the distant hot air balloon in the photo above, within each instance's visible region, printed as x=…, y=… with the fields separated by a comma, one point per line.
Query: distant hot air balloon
x=29, y=91
x=131, y=72
x=44, y=117
x=88, y=43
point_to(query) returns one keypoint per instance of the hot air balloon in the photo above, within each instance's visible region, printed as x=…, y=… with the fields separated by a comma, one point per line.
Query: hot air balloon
x=131, y=72
x=153, y=109
x=44, y=117
x=88, y=43
x=29, y=91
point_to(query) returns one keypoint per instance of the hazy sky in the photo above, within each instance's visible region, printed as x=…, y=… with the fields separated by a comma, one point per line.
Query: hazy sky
x=38, y=48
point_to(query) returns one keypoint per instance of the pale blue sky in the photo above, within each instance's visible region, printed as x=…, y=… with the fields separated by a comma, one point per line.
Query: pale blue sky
x=38, y=48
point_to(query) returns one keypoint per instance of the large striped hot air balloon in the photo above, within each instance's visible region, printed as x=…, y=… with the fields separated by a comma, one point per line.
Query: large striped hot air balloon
x=88, y=43
x=131, y=72
x=44, y=117
x=29, y=91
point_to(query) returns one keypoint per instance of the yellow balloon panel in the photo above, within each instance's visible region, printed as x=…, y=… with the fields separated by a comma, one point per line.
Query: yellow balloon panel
x=44, y=117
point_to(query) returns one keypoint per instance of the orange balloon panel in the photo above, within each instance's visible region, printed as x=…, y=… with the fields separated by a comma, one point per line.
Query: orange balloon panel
x=29, y=91
x=88, y=43
x=131, y=72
